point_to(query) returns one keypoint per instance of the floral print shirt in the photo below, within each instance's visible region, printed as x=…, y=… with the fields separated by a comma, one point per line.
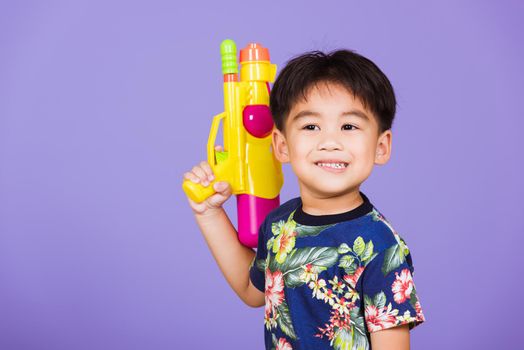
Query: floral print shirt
x=331, y=280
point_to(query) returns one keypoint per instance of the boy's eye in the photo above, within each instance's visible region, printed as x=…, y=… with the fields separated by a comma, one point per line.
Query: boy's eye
x=344, y=127
x=349, y=127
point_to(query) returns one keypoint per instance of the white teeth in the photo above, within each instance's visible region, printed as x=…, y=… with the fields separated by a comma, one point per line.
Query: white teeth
x=333, y=165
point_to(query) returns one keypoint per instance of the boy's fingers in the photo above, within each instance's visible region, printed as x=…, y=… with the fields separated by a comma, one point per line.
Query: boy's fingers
x=218, y=148
x=191, y=177
x=200, y=173
x=207, y=169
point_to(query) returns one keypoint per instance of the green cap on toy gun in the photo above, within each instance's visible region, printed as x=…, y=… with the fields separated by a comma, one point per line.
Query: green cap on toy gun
x=228, y=50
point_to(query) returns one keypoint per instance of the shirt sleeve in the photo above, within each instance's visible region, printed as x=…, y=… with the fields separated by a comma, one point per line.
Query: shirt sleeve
x=257, y=272
x=389, y=293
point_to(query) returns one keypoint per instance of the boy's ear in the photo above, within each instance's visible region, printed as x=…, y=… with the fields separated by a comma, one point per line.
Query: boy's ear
x=279, y=144
x=384, y=147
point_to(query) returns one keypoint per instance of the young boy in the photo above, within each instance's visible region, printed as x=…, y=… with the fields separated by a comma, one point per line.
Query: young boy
x=329, y=268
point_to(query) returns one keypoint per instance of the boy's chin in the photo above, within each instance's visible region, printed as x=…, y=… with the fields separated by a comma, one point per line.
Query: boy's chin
x=332, y=190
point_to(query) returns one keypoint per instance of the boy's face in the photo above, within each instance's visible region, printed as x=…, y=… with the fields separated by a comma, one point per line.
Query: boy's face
x=331, y=141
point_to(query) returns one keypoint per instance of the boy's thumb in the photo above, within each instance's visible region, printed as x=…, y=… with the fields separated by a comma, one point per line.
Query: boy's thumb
x=221, y=186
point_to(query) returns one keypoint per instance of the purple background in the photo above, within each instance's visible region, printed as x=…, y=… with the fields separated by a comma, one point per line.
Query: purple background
x=105, y=104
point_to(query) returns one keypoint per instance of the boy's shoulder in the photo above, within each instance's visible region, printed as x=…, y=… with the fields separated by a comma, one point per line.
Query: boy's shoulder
x=378, y=229
x=284, y=209
x=282, y=212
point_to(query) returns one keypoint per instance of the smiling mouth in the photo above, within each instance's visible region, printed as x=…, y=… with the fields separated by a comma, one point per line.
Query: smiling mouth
x=340, y=165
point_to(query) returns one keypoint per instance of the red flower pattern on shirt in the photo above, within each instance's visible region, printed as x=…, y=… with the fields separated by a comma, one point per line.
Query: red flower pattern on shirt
x=402, y=286
x=352, y=279
x=274, y=293
x=380, y=318
x=283, y=345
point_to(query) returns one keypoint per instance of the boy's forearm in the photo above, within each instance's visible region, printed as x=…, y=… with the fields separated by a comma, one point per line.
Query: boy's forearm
x=232, y=257
x=394, y=338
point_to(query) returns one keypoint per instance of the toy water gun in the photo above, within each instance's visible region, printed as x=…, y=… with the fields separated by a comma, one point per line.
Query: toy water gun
x=247, y=161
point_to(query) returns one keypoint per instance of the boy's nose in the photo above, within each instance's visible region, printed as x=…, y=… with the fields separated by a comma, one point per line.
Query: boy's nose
x=329, y=144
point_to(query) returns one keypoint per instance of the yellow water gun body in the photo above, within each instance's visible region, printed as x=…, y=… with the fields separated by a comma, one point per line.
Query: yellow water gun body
x=247, y=161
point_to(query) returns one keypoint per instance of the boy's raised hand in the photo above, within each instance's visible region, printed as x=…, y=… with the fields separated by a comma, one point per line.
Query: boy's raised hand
x=203, y=174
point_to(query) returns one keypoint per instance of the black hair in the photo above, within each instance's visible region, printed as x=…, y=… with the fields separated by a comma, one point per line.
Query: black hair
x=355, y=72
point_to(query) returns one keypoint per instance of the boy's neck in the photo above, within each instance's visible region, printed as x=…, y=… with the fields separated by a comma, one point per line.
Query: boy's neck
x=314, y=204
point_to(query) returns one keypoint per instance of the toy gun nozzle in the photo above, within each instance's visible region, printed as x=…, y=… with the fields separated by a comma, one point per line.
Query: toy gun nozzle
x=228, y=50
x=254, y=52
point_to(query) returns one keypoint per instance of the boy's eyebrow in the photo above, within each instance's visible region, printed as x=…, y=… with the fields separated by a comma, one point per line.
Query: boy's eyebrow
x=353, y=112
